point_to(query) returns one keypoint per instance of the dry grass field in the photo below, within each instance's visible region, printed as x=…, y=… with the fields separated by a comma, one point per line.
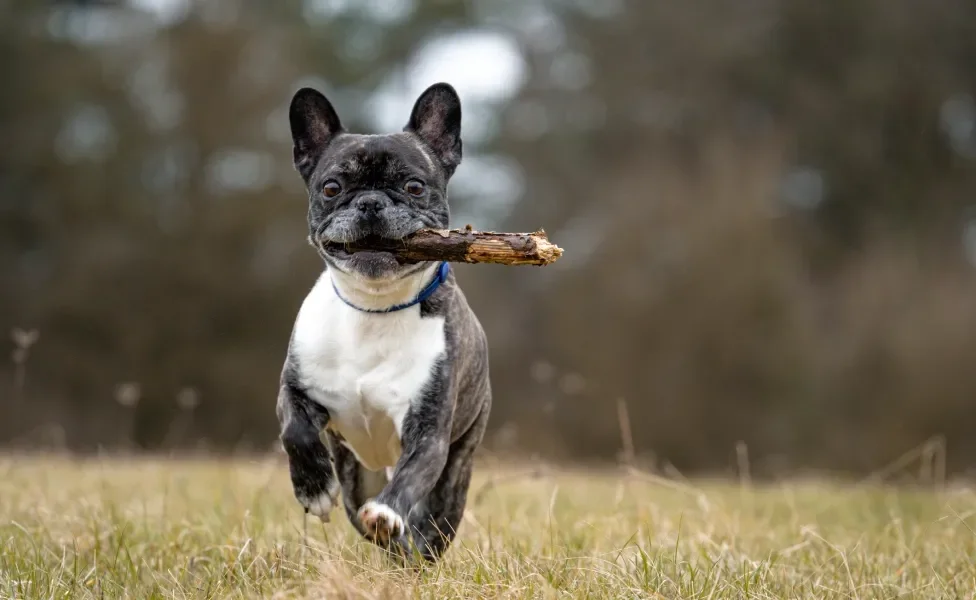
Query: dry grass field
x=155, y=528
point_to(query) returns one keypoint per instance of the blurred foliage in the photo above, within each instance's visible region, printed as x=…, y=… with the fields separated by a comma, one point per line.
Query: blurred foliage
x=765, y=206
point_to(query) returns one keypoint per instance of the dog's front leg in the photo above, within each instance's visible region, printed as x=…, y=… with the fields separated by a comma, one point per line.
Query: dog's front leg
x=309, y=460
x=425, y=442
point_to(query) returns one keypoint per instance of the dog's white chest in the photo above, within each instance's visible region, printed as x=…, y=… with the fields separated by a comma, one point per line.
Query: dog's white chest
x=365, y=369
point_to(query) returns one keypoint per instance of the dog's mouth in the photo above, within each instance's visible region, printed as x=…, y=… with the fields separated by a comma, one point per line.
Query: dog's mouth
x=369, y=244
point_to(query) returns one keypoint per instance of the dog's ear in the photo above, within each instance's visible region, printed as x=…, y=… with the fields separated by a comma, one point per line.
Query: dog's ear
x=314, y=123
x=436, y=119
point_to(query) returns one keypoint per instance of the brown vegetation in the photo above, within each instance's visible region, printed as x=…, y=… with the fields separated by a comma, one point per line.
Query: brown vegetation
x=788, y=185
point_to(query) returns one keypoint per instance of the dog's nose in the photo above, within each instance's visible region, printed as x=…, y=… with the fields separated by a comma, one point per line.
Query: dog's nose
x=369, y=203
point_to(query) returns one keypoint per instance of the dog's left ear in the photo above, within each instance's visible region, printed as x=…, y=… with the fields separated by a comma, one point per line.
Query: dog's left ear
x=314, y=123
x=436, y=119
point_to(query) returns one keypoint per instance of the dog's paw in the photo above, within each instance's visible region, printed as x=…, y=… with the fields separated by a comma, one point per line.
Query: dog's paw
x=381, y=522
x=320, y=504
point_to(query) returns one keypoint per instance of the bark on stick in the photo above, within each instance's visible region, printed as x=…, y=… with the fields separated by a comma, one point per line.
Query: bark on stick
x=467, y=246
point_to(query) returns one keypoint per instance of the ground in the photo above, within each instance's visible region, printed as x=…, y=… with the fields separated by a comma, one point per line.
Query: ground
x=153, y=528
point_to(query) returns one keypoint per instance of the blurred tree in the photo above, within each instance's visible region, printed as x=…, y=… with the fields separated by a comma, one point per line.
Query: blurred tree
x=761, y=204
x=660, y=157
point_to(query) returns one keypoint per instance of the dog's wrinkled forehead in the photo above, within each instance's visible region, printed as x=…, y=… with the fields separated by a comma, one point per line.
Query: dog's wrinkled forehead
x=430, y=141
x=372, y=160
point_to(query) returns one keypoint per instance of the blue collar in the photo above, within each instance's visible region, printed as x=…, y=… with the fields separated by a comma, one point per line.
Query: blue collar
x=439, y=278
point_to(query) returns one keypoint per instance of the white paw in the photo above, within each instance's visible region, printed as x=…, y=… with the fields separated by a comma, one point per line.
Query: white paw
x=322, y=504
x=380, y=521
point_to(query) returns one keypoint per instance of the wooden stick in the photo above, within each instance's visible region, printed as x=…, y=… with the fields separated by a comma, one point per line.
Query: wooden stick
x=467, y=246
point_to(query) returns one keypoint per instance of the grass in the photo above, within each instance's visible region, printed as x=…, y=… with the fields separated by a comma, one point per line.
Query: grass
x=143, y=528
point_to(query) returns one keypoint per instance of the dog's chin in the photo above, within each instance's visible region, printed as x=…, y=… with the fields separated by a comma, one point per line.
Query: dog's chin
x=369, y=264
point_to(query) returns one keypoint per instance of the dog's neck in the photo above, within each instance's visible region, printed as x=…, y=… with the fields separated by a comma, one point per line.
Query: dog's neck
x=381, y=294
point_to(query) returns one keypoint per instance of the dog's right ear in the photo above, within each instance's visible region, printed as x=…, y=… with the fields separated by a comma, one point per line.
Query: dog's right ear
x=436, y=119
x=314, y=123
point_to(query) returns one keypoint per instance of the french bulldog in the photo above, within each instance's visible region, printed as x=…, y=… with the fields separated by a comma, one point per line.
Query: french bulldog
x=386, y=361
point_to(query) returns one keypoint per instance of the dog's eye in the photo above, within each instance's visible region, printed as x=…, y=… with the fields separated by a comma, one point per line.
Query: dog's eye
x=331, y=189
x=414, y=188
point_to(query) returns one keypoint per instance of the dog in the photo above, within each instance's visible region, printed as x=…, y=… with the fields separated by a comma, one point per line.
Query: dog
x=387, y=359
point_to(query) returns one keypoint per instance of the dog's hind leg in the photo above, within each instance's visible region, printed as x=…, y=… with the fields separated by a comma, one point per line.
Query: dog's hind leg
x=433, y=523
x=358, y=484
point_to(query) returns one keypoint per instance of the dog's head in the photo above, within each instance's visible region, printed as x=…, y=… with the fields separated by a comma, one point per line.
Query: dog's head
x=385, y=186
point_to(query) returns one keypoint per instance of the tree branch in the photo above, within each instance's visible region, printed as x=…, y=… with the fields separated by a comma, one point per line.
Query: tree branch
x=466, y=246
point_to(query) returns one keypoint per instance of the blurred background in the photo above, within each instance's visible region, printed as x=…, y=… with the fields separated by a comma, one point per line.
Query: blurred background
x=768, y=209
